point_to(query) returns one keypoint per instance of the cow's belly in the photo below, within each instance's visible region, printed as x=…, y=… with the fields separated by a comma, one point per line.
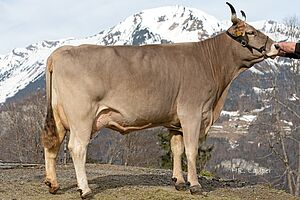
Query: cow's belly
x=125, y=122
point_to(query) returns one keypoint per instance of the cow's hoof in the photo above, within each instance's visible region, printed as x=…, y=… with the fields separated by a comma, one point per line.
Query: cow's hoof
x=52, y=188
x=181, y=186
x=174, y=180
x=196, y=190
x=86, y=194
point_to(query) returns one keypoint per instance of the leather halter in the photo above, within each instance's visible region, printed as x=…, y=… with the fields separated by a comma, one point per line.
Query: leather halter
x=245, y=43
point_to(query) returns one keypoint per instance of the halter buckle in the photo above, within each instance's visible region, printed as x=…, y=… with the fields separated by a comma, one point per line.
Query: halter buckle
x=244, y=43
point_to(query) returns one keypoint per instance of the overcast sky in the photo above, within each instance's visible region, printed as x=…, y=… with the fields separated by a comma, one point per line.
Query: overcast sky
x=23, y=22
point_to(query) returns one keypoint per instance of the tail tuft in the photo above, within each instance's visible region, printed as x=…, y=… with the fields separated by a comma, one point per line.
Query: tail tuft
x=49, y=134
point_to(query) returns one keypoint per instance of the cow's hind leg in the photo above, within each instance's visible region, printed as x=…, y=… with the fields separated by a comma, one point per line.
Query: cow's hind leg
x=51, y=152
x=177, y=148
x=79, y=139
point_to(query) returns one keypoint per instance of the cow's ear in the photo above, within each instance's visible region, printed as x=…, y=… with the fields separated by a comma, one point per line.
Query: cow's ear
x=238, y=30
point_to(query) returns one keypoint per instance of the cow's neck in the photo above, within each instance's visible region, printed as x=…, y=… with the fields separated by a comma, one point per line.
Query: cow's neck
x=223, y=58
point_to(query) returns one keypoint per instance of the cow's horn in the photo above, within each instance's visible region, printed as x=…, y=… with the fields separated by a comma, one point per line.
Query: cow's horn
x=234, y=18
x=244, y=15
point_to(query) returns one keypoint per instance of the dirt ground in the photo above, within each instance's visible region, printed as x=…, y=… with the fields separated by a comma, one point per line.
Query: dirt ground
x=120, y=182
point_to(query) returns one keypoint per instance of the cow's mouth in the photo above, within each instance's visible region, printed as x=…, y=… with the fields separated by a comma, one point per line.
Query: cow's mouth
x=273, y=52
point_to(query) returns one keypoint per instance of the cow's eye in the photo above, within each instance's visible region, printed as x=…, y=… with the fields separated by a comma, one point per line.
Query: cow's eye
x=250, y=33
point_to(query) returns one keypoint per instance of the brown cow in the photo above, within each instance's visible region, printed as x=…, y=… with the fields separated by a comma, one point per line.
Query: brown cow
x=126, y=88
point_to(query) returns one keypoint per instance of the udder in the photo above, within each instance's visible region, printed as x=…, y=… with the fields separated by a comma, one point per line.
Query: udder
x=110, y=118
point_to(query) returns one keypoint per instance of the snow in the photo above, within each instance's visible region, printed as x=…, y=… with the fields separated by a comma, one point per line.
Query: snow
x=294, y=97
x=230, y=113
x=21, y=67
x=259, y=109
x=256, y=71
x=273, y=29
x=217, y=126
x=248, y=118
x=233, y=144
x=236, y=116
x=259, y=24
x=288, y=123
x=257, y=90
x=25, y=65
x=171, y=16
x=261, y=91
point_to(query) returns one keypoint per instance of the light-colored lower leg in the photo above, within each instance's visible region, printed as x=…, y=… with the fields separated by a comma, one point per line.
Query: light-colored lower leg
x=50, y=166
x=191, y=154
x=78, y=149
x=177, y=148
x=191, y=136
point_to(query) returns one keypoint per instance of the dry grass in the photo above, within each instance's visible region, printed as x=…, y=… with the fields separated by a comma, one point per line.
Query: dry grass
x=119, y=182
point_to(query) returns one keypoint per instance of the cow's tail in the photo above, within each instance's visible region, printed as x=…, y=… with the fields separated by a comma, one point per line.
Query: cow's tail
x=49, y=135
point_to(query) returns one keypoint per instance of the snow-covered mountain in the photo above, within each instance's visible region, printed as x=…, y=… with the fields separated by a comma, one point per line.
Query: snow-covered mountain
x=23, y=66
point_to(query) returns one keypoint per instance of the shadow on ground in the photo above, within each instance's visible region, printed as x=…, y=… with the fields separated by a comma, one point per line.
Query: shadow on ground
x=101, y=184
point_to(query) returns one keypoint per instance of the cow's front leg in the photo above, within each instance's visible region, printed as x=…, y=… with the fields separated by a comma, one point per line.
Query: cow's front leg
x=191, y=125
x=78, y=148
x=177, y=148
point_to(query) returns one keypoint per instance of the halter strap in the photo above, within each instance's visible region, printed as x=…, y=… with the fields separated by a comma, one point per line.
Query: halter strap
x=244, y=42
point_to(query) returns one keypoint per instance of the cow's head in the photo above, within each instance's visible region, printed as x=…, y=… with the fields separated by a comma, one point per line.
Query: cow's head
x=254, y=45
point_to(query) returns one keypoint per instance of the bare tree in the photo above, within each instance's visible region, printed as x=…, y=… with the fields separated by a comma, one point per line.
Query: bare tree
x=22, y=121
x=292, y=23
x=142, y=148
x=286, y=111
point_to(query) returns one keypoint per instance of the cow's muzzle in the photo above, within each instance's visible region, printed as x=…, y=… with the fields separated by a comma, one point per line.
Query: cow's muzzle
x=273, y=52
